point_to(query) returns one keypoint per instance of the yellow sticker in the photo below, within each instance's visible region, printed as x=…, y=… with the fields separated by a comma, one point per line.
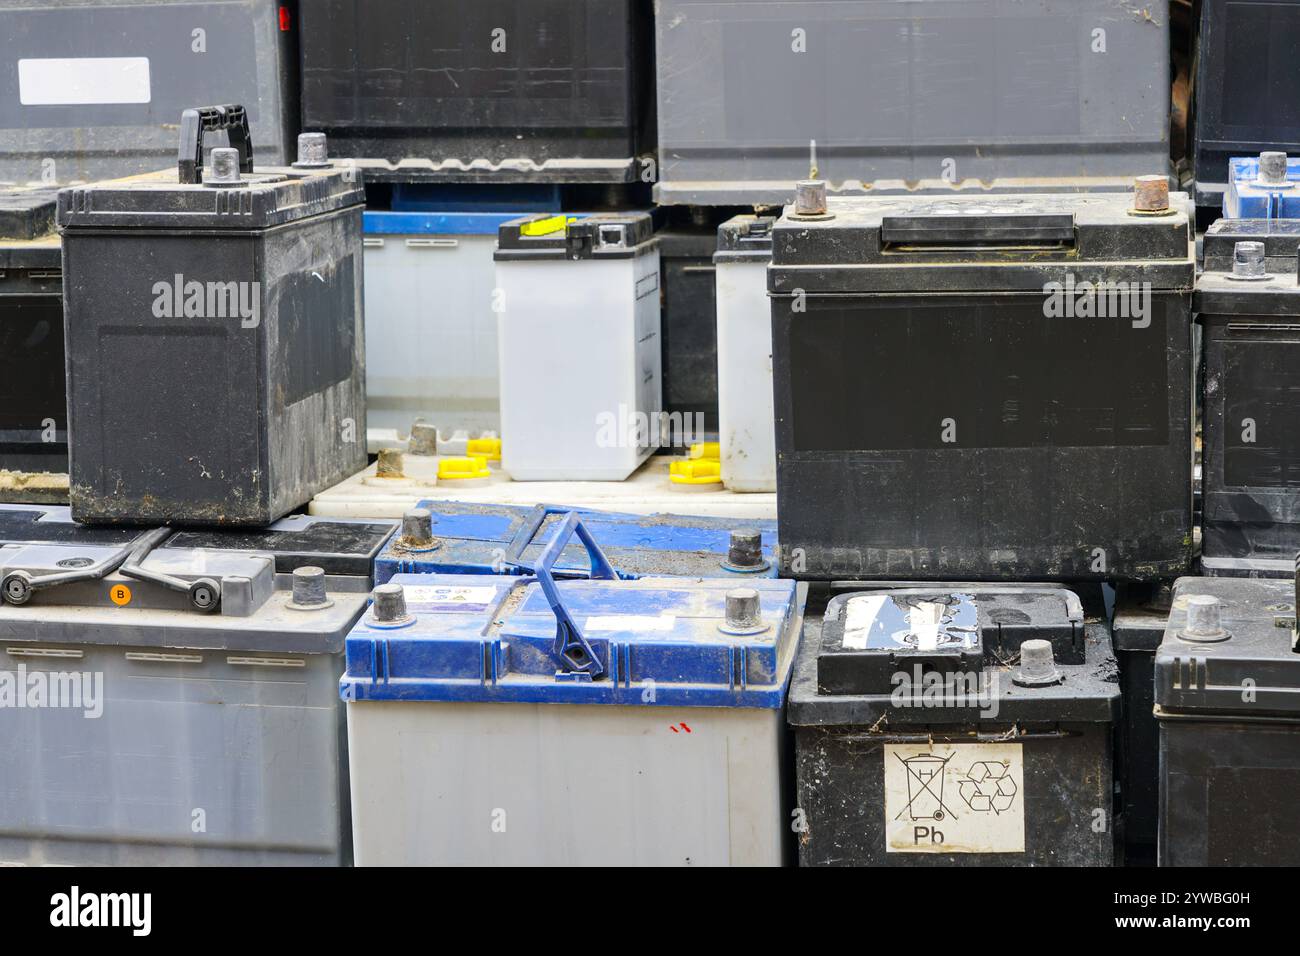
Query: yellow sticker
x=120, y=595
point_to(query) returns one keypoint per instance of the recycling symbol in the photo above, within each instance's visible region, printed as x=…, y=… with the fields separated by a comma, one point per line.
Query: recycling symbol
x=988, y=787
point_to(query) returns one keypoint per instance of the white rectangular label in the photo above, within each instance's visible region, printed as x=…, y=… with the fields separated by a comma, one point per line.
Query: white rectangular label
x=630, y=622
x=954, y=798
x=859, y=617
x=427, y=595
x=84, y=81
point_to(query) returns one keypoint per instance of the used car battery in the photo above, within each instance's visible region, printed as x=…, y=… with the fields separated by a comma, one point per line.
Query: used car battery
x=482, y=90
x=984, y=388
x=33, y=404
x=431, y=334
x=577, y=302
x=689, y=342
x=1248, y=301
x=1227, y=686
x=344, y=548
x=925, y=96
x=91, y=88
x=169, y=706
x=746, y=429
x=1138, y=625
x=214, y=335
x=1263, y=187
x=956, y=725
x=451, y=537
x=1246, y=96
x=572, y=722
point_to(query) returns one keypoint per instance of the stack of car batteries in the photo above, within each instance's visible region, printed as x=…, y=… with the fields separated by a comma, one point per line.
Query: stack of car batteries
x=33, y=409
x=172, y=651
x=993, y=391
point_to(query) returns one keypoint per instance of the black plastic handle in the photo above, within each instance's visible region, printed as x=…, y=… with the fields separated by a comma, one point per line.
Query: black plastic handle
x=195, y=122
x=980, y=229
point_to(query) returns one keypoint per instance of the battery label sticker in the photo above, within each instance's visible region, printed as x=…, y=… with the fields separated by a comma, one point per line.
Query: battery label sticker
x=120, y=595
x=84, y=81
x=429, y=596
x=859, y=617
x=954, y=798
x=630, y=622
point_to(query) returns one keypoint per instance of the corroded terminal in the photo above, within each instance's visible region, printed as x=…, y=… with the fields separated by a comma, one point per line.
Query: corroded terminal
x=1204, y=619
x=810, y=197
x=225, y=166
x=1037, y=665
x=309, y=592
x=312, y=150
x=389, y=464
x=1151, y=194
x=424, y=439
x=389, y=608
x=1272, y=169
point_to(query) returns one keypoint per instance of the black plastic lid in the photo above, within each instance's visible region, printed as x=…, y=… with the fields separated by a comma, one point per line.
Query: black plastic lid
x=37, y=524
x=27, y=213
x=1281, y=238
x=269, y=196
x=745, y=238
x=338, y=546
x=980, y=243
x=599, y=236
x=1250, y=670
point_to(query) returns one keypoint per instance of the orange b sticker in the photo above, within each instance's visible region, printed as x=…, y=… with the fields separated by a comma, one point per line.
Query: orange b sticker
x=120, y=595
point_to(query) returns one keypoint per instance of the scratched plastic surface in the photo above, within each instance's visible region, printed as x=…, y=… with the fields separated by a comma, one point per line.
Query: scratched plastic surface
x=477, y=639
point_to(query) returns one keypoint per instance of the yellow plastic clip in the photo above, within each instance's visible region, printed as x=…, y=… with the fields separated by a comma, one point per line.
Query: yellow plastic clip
x=706, y=450
x=463, y=469
x=695, y=471
x=487, y=448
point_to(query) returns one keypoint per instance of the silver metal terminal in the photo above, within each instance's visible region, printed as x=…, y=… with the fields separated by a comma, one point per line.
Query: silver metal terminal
x=225, y=166
x=1151, y=194
x=389, y=464
x=743, y=612
x=810, y=197
x=1248, y=261
x=417, y=527
x=1204, y=619
x=309, y=589
x=1037, y=665
x=745, y=551
x=424, y=439
x=389, y=608
x=312, y=151
x=1272, y=169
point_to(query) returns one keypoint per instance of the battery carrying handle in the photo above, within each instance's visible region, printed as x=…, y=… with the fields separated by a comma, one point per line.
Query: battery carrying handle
x=527, y=531
x=203, y=119
x=577, y=658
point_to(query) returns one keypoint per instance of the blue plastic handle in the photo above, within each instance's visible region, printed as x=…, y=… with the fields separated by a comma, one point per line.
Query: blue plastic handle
x=527, y=531
x=575, y=654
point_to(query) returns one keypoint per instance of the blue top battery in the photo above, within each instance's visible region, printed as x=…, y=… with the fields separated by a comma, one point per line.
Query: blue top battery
x=1249, y=197
x=439, y=223
x=662, y=641
x=485, y=539
x=706, y=642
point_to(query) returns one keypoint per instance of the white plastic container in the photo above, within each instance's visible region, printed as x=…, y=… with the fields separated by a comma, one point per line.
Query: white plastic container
x=745, y=424
x=431, y=334
x=579, y=346
x=673, y=753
